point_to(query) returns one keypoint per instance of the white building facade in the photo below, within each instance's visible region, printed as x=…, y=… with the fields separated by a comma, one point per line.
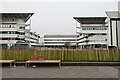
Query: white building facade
x=92, y=32
x=99, y=32
x=113, y=21
x=32, y=38
x=13, y=29
x=59, y=40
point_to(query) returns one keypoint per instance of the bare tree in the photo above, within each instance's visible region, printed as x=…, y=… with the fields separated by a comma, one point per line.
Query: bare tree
x=67, y=44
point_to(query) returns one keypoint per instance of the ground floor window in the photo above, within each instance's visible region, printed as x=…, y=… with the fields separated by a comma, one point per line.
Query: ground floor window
x=3, y=46
x=100, y=45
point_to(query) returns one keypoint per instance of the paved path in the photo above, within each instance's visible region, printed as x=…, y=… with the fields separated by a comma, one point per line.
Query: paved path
x=63, y=72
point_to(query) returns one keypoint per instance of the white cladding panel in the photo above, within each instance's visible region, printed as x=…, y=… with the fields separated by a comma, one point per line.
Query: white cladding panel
x=8, y=41
x=27, y=39
x=93, y=31
x=8, y=35
x=108, y=34
x=98, y=37
x=20, y=21
x=97, y=42
x=8, y=29
x=118, y=24
x=59, y=38
x=54, y=44
x=114, y=33
x=61, y=41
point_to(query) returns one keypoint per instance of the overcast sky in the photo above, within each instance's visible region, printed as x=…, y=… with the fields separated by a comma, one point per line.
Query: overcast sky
x=57, y=17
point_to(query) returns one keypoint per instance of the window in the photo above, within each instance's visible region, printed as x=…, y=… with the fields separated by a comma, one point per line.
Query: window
x=22, y=27
x=3, y=26
x=94, y=28
x=13, y=19
x=10, y=26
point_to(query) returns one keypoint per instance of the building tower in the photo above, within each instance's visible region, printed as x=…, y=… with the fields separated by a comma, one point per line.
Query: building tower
x=92, y=32
x=114, y=28
x=12, y=29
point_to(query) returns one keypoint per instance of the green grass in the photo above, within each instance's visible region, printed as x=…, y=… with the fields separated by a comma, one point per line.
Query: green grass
x=63, y=55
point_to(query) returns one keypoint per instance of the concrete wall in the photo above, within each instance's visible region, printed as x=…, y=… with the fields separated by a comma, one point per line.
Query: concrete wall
x=118, y=29
x=108, y=33
x=114, y=33
x=119, y=25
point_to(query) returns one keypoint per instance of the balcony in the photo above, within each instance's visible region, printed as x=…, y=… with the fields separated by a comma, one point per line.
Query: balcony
x=21, y=30
x=15, y=22
x=8, y=35
x=31, y=40
x=21, y=36
x=23, y=25
x=93, y=31
x=8, y=41
x=92, y=24
x=8, y=29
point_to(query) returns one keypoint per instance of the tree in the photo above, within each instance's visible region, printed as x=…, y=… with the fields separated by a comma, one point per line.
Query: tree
x=67, y=44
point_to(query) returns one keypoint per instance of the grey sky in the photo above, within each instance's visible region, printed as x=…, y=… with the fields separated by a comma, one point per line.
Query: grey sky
x=57, y=17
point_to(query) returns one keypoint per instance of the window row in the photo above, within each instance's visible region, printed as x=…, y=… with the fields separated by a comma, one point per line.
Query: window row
x=8, y=19
x=94, y=28
x=60, y=39
x=11, y=32
x=31, y=38
x=32, y=35
x=7, y=26
x=60, y=36
x=11, y=39
x=54, y=42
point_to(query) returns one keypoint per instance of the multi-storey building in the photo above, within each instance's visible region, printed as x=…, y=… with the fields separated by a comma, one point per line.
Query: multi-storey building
x=59, y=40
x=32, y=38
x=99, y=32
x=92, y=32
x=113, y=21
x=13, y=29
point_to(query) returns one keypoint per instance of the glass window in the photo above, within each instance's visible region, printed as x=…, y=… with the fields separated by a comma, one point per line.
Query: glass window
x=13, y=19
x=10, y=26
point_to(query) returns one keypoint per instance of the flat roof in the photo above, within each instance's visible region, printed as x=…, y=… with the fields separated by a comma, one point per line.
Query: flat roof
x=113, y=14
x=25, y=16
x=90, y=20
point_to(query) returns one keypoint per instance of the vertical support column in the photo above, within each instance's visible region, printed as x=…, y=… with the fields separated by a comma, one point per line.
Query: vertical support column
x=111, y=32
x=116, y=34
x=29, y=31
x=76, y=34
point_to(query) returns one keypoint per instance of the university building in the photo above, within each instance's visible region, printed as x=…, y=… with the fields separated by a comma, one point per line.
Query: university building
x=99, y=32
x=60, y=40
x=92, y=32
x=15, y=30
x=113, y=21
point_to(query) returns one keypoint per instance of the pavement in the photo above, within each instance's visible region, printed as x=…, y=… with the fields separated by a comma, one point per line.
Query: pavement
x=62, y=72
